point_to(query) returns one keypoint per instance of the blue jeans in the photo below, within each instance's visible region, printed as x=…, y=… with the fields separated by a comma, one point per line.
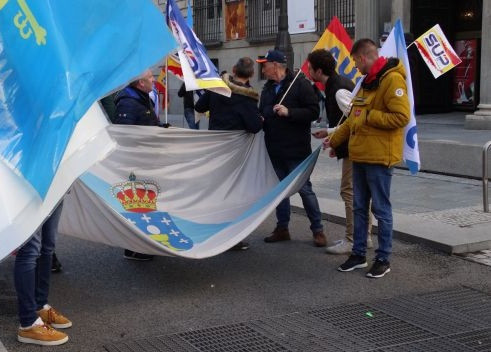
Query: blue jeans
x=309, y=199
x=372, y=181
x=32, y=270
x=189, y=115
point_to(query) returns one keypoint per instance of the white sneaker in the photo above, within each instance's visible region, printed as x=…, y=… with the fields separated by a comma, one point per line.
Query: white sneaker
x=369, y=242
x=340, y=247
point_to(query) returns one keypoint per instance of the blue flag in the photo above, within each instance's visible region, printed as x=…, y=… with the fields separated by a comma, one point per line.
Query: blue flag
x=56, y=59
x=189, y=14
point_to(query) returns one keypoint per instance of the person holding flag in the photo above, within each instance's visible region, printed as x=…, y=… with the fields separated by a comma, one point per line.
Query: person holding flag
x=375, y=129
x=322, y=69
x=289, y=106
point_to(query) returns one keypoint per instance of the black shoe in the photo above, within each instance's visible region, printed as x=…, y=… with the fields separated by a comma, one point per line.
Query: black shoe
x=353, y=262
x=137, y=256
x=241, y=246
x=55, y=264
x=379, y=269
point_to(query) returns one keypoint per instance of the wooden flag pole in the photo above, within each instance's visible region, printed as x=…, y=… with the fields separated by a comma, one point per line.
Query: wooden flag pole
x=291, y=84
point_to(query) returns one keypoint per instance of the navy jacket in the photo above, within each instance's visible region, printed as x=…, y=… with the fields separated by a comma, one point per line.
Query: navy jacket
x=288, y=138
x=239, y=112
x=134, y=107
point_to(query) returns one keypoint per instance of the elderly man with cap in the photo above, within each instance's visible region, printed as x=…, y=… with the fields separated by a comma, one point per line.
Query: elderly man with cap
x=287, y=136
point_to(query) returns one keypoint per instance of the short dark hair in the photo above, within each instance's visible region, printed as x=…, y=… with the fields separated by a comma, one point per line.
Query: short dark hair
x=362, y=44
x=323, y=59
x=244, y=68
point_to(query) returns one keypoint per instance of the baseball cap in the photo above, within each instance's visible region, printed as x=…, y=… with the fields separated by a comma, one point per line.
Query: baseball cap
x=273, y=56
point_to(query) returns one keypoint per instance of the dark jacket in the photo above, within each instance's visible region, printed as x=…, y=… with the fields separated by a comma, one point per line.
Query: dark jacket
x=134, y=107
x=289, y=137
x=188, y=98
x=333, y=112
x=239, y=112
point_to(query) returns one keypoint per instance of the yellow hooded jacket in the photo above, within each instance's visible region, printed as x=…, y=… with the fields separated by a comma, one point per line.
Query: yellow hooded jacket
x=376, y=122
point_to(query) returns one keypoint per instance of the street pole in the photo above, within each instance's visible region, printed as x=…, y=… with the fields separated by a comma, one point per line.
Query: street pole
x=283, y=41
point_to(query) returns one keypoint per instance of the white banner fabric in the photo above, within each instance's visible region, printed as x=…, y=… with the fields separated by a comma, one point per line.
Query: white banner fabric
x=178, y=192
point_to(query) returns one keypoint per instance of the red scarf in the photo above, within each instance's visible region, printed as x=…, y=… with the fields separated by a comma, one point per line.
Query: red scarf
x=377, y=66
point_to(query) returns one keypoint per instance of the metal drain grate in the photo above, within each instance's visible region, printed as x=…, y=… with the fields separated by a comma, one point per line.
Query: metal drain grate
x=479, y=340
x=302, y=332
x=451, y=320
x=466, y=302
x=440, y=344
x=236, y=337
x=427, y=316
x=372, y=325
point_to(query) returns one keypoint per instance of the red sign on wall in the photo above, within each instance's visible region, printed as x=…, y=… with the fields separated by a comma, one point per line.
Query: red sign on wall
x=465, y=73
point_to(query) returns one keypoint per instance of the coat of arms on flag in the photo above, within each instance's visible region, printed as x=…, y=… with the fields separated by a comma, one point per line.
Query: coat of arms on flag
x=139, y=201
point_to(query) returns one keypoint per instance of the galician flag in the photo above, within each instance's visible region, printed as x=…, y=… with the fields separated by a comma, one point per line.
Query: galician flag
x=56, y=59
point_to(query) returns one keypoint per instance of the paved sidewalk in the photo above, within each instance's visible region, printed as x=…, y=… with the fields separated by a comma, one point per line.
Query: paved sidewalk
x=289, y=293
x=444, y=212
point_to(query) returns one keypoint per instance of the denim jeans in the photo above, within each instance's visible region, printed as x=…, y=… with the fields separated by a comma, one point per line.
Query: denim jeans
x=32, y=269
x=309, y=199
x=189, y=115
x=372, y=181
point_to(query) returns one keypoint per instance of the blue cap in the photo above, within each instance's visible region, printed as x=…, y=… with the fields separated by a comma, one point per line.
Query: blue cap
x=273, y=56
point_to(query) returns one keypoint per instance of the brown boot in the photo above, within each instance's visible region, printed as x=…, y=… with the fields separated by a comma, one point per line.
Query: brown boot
x=279, y=234
x=320, y=239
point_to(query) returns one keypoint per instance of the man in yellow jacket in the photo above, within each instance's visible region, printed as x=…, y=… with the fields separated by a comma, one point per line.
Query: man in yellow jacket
x=375, y=130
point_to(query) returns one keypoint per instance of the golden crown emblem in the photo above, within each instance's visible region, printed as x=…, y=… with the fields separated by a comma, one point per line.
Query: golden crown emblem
x=139, y=196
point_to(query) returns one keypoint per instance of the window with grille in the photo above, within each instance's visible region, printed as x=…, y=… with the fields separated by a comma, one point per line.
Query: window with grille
x=208, y=23
x=262, y=20
x=343, y=9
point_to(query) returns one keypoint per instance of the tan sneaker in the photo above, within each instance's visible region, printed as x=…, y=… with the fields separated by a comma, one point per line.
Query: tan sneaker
x=278, y=234
x=320, y=239
x=53, y=318
x=42, y=335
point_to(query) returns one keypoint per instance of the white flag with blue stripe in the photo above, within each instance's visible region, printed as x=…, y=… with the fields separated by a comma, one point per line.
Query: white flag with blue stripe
x=395, y=46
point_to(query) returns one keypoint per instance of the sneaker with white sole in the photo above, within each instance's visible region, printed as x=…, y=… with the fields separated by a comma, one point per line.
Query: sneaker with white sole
x=51, y=317
x=353, y=262
x=379, y=269
x=340, y=247
x=43, y=335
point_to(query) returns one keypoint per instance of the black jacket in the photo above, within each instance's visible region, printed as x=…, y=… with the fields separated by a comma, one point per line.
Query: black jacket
x=134, y=107
x=188, y=98
x=289, y=137
x=333, y=112
x=239, y=112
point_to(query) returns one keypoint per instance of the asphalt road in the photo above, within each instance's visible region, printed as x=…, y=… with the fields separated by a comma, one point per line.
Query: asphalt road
x=110, y=299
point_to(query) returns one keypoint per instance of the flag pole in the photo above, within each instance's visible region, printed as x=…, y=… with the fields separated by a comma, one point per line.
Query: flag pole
x=291, y=84
x=166, y=91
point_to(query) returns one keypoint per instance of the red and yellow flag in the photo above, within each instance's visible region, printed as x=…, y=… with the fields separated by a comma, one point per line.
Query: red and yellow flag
x=174, y=66
x=336, y=40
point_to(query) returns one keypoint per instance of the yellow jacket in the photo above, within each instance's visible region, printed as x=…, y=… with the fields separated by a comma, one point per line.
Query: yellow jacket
x=377, y=119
